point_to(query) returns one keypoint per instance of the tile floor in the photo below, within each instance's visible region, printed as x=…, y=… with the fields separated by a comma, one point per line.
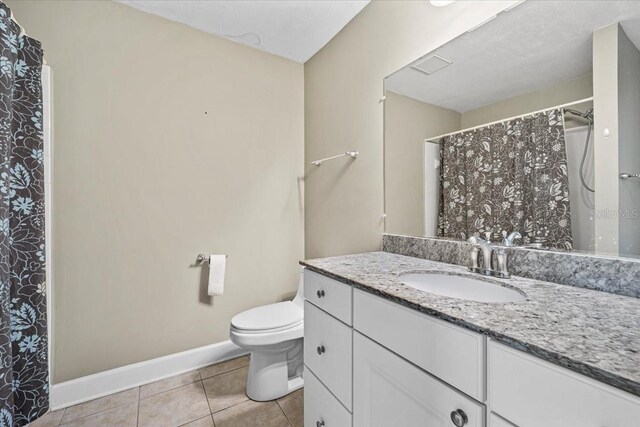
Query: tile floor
x=208, y=397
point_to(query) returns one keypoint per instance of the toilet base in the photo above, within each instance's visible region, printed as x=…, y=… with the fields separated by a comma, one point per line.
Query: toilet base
x=275, y=371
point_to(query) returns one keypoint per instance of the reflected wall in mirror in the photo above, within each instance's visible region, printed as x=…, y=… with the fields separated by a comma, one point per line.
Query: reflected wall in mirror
x=528, y=123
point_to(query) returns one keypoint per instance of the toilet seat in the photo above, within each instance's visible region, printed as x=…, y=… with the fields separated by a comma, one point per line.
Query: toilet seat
x=268, y=318
x=252, y=340
x=268, y=325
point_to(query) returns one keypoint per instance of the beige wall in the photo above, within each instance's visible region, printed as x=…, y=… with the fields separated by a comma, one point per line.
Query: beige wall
x=168, y=142
x=558, y=94
x=343, y=86
x=407, y=122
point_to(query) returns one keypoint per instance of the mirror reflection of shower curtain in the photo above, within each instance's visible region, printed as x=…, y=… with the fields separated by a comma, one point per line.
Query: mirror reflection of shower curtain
x=505, y=177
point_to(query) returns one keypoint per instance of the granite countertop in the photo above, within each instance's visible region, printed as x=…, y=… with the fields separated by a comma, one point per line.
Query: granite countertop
x=594, y=333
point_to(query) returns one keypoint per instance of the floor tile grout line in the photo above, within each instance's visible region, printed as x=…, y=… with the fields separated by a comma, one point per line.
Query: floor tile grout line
x=64, y=411
x=89, y=415
x=173, y=388
x=197, y=419
x=235, y=404
x=220, y=373
x=231, y=406
x=207, y=397
x=138, y=411
x=284, y=412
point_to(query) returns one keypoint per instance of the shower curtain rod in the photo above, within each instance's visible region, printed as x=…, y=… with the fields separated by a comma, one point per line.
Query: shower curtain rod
x=433, y=138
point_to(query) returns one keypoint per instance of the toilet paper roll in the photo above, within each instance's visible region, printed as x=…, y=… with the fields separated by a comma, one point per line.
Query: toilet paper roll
x=217, y=265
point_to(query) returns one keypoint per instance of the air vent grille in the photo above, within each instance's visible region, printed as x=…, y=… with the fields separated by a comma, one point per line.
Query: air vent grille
x=431, y=64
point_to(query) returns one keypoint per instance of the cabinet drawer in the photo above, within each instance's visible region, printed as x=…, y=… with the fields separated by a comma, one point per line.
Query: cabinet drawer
x=531, y=392
x=389, y=391
x=328, y=294
x=321, y=406
x=328, y=351
x=453, y=354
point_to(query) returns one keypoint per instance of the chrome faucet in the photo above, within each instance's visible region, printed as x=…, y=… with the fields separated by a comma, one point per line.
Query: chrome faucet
x=508, y=240
x=487, y=255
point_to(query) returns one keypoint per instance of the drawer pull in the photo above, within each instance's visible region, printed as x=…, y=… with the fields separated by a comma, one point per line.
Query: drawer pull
x=320, y=349
x=320, y=423
x=320, y=294
x=459, y=418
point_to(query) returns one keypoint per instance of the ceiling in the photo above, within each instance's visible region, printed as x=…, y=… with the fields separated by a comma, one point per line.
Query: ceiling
x=292, y=29
x=525, y=49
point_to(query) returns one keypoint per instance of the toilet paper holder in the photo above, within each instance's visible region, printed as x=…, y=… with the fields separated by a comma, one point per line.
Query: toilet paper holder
x=204, y=257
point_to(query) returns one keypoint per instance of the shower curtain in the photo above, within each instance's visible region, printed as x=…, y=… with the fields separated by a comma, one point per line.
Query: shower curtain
x=510, y=176
x=24, y=377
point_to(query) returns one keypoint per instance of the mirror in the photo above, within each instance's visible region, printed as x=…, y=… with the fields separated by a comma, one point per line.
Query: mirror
x=529, y=123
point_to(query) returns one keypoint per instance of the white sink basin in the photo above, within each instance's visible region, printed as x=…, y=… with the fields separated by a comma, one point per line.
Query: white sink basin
x=461, y=287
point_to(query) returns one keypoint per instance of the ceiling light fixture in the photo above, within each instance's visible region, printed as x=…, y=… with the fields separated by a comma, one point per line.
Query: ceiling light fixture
x=440, y=3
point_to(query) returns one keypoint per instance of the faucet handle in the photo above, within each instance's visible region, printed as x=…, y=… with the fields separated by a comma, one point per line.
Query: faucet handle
x=508, y=240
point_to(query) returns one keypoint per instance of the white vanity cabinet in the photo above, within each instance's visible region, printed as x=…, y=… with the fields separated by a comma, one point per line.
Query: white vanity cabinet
x=399, y=367
x=389, y=391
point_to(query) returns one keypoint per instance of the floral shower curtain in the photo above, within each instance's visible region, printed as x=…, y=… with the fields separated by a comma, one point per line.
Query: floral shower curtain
x=510, y=176
x=24, y=377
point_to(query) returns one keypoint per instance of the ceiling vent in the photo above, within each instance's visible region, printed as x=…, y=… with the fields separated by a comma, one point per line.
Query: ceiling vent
x=431, y=64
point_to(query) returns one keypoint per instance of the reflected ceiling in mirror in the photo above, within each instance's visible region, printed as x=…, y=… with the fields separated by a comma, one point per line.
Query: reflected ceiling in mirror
x=512, y=126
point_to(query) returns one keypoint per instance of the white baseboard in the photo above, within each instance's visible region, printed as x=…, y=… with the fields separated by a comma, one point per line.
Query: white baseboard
x=114, y=380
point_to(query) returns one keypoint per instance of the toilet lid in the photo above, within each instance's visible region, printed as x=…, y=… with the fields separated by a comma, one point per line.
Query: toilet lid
x=271, y=316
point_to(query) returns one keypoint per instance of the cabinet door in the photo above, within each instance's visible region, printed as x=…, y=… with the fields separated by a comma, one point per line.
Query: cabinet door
x=389, y=391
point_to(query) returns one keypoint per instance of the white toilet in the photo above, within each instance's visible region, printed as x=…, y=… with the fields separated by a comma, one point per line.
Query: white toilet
x=274, y=335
